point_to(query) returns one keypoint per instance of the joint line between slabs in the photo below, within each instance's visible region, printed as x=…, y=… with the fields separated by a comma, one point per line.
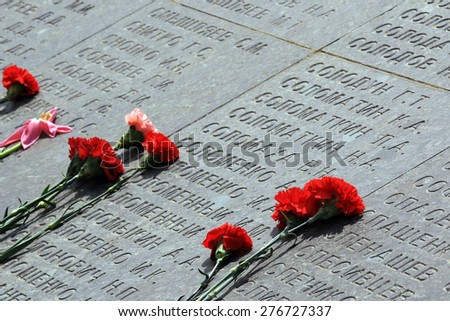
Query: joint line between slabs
x=411, y=169
x=247, y=27
x=322, y=49
x=97, y=32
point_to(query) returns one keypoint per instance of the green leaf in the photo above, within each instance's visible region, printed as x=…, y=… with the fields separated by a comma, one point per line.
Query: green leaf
x=202, y=273
x=46, y=189
x=265, y=255
x=9, y=227
x=26, y=218
x=294, y=236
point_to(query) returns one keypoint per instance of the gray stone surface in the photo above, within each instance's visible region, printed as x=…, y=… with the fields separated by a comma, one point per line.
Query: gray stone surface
x=309, y=23
x=411, y=40
x=397, y=251
x=143, y=61
x=307, y=114
x=34, y=31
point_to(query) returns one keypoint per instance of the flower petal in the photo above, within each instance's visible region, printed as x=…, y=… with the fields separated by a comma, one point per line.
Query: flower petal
x=52, y=113
x=13, y=74
x=49, y=128
x=64, y=129
x=232, y=243
x=140, y=121
x=233, y=238
x=14, y=137
x=31, y=133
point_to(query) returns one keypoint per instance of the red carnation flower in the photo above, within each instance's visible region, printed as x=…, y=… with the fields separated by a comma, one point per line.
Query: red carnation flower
x=19, y=82
x=140, y=121
x=139, y=125
x=234, y=239
x=104, y=159
x=344, y=195
x=294, y=203
x=160, y=148
x=78, y=146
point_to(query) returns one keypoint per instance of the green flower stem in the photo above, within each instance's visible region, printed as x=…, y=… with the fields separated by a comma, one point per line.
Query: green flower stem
x=23, y=243
x=27, y=240
x=48, y=201
x=11, y=220
x=234, y=273
x=70, y=215
x=132, y=137
x=66, y=181
x=206, y=282
x=8, y=151
x=119, y=144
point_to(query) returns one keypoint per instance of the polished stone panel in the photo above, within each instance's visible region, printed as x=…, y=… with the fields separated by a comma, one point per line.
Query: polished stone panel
x=253, y=111
x=411, y=40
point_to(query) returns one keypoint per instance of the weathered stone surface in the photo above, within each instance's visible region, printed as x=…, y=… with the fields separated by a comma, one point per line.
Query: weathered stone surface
x=175, y=79
x=309, y=23
x=176, y=73
x=34, y=31
x=251, y=117
x=398, y=250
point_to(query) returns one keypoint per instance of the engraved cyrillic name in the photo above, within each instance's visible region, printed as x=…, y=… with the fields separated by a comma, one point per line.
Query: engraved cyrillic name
x=412, y=40
x=294, y=20
x=30, y=25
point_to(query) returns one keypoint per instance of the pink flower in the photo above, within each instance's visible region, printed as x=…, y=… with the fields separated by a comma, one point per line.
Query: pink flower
x=140, y=121
x=32, y=129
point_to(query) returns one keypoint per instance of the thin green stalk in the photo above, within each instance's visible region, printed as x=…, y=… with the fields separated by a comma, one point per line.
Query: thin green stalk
x=27, y=240
x=59, y=183
x=237, y=270
x=22, y=212
x=119, y=144
x=45, y=203
x=241, y=267
x=8, y=151
x=49, y=193
x=19, y=245
x=68, y=216
x=12, y=223
x=205, y=283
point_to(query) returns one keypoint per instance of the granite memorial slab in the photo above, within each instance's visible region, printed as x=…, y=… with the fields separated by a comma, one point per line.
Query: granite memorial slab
x=145, y=58
x=411, y=40
x=398, y=250
x=175, y=73
x=143, y=243
x=252, y=114
x=34, y=31
x=313, y=24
